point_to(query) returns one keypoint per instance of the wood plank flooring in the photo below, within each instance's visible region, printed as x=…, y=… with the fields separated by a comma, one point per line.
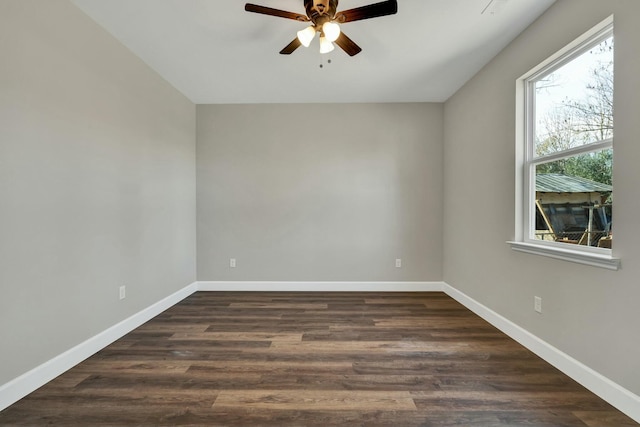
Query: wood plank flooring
x=314, y=359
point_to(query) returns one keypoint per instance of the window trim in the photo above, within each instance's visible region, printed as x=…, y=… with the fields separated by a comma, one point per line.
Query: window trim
x=525, y=181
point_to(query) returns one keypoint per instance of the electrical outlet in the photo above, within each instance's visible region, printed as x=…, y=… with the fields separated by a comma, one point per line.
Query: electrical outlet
x=232, y=262
x=123, y=292
x=537, y=304
x=398, y=263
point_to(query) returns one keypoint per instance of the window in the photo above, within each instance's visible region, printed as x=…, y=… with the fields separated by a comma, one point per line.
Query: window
x=565, y=153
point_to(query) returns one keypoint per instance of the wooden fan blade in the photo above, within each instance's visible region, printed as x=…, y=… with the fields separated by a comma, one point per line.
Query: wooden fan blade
x=274, y=12
x=348, y=45
x=375, y=10
x=288, y=50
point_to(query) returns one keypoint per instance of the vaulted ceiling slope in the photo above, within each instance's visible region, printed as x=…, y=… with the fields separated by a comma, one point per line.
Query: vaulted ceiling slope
x=216, y=53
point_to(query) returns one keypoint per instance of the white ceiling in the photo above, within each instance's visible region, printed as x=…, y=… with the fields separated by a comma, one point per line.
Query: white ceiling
x=216, y=53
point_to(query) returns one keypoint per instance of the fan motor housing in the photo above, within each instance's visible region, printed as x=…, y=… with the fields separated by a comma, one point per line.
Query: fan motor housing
x=322, y=10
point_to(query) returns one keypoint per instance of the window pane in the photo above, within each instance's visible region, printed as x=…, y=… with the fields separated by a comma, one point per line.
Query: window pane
x=574, y=104
x=574, y=199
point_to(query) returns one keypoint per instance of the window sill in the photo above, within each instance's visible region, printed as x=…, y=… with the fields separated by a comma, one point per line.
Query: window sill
x=581, y=257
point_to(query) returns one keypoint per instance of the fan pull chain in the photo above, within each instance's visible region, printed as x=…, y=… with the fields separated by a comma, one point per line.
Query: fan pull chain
x=328, y=62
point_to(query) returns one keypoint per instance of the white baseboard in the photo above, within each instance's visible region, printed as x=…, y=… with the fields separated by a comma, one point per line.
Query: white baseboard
x=30, y=381
x=611, y=392
x=322, y=286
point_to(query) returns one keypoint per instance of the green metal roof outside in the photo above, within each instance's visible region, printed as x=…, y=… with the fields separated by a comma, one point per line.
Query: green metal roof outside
x=559, y=183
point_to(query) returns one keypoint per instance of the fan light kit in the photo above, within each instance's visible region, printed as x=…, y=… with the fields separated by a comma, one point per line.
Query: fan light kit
x=326, y=21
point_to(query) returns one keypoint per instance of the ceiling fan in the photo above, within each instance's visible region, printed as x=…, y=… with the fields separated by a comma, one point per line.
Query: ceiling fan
x=324, y=19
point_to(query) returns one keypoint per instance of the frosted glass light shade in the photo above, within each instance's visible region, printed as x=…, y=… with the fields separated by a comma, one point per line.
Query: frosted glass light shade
x=305, y=36
x=331, y=31
x=325, y=45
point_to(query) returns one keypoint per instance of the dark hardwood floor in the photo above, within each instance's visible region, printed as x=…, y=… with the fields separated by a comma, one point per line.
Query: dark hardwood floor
x=314, y=359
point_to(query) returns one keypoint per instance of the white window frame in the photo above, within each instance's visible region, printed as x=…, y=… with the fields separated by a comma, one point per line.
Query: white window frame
x=526, y=161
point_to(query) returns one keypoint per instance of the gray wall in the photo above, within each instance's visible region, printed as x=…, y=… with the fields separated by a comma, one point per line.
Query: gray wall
x=320, y=192
x=590, y=313
x=97, y=183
